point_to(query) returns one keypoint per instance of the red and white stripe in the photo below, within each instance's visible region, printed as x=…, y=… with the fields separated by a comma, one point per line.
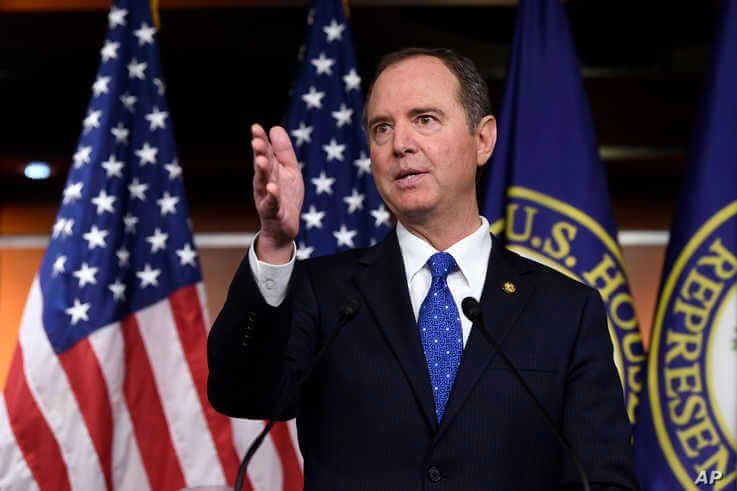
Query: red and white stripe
x=126, y=408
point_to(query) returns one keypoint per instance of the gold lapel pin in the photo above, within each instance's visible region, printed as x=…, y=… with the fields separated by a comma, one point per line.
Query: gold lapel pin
x=509, y=287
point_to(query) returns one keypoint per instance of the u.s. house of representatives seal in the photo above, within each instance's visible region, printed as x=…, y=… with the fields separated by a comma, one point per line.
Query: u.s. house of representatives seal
x=567, y=239
x=693, y=362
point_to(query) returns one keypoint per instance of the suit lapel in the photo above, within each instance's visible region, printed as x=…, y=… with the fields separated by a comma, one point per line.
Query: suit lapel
x=382, y=282
x=501, y=311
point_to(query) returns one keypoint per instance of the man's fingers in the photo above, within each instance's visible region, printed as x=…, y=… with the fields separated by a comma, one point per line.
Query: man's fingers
x=261, y=174
x=281, y=145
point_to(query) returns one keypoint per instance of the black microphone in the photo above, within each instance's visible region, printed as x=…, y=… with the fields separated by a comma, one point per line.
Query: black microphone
x=472, y=310
x=348, y=309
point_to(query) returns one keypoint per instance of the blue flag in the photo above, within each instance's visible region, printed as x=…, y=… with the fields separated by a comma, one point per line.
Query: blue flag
x=687, y=423
x=546, y=191
x=342, y=208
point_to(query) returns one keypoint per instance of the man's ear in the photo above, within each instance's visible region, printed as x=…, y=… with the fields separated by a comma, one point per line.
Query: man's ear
x=485, y=139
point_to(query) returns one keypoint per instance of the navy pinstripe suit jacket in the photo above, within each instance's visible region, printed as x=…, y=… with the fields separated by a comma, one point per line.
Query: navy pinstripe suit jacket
x=366, y=418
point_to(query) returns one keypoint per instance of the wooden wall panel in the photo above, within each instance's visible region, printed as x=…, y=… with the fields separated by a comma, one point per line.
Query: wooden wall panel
x=18, y=267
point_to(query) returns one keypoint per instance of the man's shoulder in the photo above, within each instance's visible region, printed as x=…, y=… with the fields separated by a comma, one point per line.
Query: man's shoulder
x=549, y=280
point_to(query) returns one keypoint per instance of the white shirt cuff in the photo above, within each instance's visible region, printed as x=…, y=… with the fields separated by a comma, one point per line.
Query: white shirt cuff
x=272, y=279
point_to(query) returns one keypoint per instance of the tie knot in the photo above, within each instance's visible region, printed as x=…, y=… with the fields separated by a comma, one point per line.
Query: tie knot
x=441, y=264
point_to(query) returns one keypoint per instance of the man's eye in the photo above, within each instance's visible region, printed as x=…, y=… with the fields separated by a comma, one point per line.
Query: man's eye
x=381, y=128
x=425, y=119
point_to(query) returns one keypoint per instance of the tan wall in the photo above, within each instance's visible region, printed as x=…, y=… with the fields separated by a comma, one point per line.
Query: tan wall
x=18, y=267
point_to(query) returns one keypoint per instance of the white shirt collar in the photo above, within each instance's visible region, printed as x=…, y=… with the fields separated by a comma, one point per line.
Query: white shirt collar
x=416, y=251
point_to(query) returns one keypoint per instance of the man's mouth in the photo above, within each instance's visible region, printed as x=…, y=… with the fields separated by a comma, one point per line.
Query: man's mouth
x=409, y=178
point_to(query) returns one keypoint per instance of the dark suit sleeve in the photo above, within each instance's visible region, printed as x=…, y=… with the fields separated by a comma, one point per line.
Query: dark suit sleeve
x=595, y=420
x=255, y=351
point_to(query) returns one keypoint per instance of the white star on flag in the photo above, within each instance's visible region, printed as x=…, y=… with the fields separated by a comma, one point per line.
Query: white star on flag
x=95, y=237
x=118, y=290
x=148, y=276
x=59, y=265
x=354, y=201
x=137, y=190
x=123, y=256
x=342, y=116
x=145, y=34
x=109, y=51
x=130, y=221
x=116, y=17
x=157, y=240
x=100, y=86
x=82, y=156
x=381, y=215
x=85, y=275
x=120, y=133
x=334, y=31
x=333, y=150
x=302, y=134
x=186, y=255
x=323, y=65
x=129, y=101
x=304, y=252
x=58, y=227
x=92, y=120
x=112, y=167
x=160, y=87
x=78, y=311
x=167, y=203
x=313, y=218
x=136, y=69
x=352, y=81
x=156, y=118
x=363, y=164
x=174, y=169
x=73, y=192
x=344, y=236
x=63, y=226
x=323, y=183
x=104, y=202
x=147, y=154
x=313, y=98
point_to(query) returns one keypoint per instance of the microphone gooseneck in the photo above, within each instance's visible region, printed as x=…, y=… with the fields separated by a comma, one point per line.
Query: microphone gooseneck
x=472, y=310
x=348, y=309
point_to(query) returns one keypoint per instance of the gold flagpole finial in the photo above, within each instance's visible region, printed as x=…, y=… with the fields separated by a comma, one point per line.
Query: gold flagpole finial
x=155, y=13
x=347, y=9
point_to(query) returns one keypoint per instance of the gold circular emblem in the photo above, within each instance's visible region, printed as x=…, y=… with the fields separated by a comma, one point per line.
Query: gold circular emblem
x=509, y=287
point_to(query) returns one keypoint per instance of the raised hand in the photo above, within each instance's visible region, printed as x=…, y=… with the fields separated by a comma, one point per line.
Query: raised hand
x=278, y=192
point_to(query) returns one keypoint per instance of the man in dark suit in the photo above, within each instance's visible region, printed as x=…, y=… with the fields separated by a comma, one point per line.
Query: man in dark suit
x=411, y=396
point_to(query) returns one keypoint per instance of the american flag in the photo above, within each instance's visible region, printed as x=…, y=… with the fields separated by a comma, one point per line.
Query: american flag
x=342, y=208
x=107, y=387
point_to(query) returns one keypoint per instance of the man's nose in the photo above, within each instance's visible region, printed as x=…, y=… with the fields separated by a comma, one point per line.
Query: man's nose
x=403, y=141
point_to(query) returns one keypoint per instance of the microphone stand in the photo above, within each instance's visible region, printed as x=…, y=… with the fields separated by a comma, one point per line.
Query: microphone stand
x=472, y=310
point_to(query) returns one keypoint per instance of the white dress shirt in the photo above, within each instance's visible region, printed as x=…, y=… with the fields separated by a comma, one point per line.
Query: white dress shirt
x=470, y=253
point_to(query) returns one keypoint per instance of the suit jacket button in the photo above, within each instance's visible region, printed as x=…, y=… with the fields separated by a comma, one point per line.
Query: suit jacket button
x=433, y=473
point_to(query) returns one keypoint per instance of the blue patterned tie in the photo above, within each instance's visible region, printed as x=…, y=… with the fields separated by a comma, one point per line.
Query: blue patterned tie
x=440, y=330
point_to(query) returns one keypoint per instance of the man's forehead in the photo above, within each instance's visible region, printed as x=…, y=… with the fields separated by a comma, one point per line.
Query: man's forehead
x=421, y=80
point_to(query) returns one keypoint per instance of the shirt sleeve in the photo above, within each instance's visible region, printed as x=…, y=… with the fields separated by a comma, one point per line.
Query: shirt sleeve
x=272, y=279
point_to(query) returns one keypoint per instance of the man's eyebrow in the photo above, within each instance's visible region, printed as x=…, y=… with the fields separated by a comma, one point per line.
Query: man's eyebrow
x=412, y=113
x=422, y=110
x=377, y=119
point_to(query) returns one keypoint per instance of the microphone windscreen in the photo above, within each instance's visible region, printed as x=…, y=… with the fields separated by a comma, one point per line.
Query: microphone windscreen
x=471, y=309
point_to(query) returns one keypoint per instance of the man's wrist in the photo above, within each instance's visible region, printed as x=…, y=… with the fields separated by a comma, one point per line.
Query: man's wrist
x=273, y=251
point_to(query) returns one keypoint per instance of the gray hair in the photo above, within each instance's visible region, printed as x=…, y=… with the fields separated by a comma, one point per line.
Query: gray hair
x=473, y=92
